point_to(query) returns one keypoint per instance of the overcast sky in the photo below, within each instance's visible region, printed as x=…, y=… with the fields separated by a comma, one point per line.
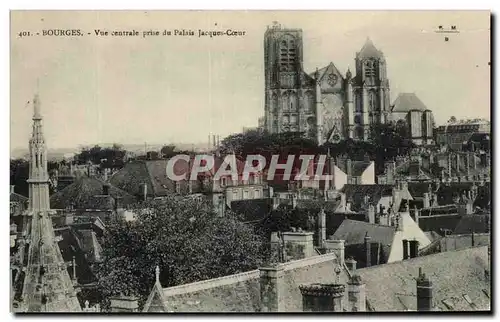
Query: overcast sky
x=180, y=89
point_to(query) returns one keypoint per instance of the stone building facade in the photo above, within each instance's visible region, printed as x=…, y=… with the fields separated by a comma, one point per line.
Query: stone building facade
x=325, y=105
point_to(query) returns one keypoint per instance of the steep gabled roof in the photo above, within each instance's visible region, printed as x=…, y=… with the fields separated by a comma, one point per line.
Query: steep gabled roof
x=406, y=102
x=15, y=197
x=323, y=71
x=354, y=232
x=473, y=223
x=369, y=50
x=456, y=277
x=87, y=193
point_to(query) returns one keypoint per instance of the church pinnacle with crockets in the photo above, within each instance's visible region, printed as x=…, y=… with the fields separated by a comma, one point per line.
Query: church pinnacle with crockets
x=44, y=284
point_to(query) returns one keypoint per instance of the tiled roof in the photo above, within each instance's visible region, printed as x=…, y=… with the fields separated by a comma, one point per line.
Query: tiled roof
x=439, y=223
x=455, y=242
x=417, y=189
x=454, y=276
x=473, y=223
x=87, y=193
x=241, y=292
x=406, y=102
x=15, y=197
x=353, y=232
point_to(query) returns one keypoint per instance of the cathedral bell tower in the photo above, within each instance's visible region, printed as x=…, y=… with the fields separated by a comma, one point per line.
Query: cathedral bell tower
x=371, y=91
x=289, y=91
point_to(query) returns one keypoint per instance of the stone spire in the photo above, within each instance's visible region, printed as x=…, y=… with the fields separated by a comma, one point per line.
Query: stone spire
x=38, y=174
x=46, y=285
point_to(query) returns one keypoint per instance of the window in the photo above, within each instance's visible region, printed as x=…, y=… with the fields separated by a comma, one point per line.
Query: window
x=256, y=194
x=370, y=68
x=288, y=53
x=223, y=181
x=245, y=194
x=251, y=179
x=177, y=187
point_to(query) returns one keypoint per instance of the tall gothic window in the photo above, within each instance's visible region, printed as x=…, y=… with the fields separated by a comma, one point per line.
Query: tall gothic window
x=293, y=102
x=357, y=102
x=372, y=101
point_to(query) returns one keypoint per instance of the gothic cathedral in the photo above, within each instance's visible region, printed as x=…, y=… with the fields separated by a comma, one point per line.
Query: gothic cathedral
x=324, y=105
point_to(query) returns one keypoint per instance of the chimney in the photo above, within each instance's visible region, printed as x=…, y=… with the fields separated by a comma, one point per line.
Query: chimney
x=368, y=250
x=351, y=265
x=405, y=249
x=413, y=248
x=145, y=191
x=322, y=297
x=416, y=214
x=424, y=292
x=371, y=214
x=271, y=287
x=105, y=189
x=427, y=200
x=12, y=187
x=348, y=168
x=298, y=244
x=321, y=228
x=124, y=304
x=356, y=291
x=337, y=247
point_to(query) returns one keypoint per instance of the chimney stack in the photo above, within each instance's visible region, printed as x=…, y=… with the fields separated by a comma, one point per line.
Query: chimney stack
x=348, y=168
x=12, y=187
x=424, y=292
x=368, y=250
x=299, y=244
x=416, y=214
x=356, y=294
x=321, y=227
x=405, y=249
x=371, y=214
x=427, y=200
x=271, y=286
x=351, y=265
x=337, y=247
x=322, y=297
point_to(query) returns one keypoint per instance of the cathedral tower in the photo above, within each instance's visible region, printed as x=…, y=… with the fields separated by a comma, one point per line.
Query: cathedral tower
x=371, y=91
x=290, y=101
x=43, y=284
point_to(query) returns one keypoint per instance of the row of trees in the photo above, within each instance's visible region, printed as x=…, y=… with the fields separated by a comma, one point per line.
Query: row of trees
x=386, y=142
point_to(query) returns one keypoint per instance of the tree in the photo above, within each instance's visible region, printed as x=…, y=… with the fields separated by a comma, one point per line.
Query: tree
x=262, y=143
x=113, y=157
x=168, y=151
x=452, y=119
x=184, y=237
